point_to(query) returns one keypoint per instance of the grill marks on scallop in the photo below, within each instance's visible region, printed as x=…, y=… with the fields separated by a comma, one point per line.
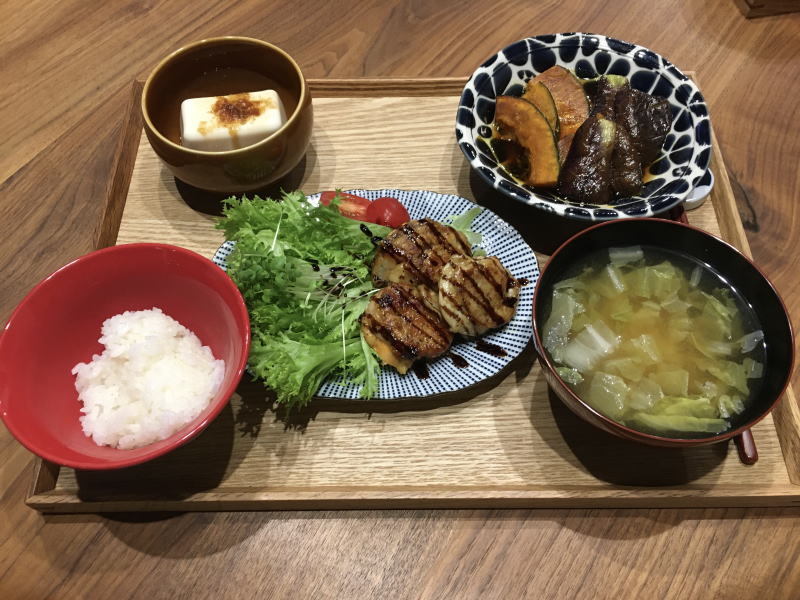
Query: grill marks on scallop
x=459, y=289
x=416, y=252
x=476, y=294
x=434, y=289
x=402, y=328
x=420, y=318
x=447, y=238
x=408, y=272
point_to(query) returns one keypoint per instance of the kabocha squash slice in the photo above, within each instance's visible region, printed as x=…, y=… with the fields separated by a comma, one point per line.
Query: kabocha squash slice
x=538, y=95
x=569, y=96
x=564, y=144
x=521, y=121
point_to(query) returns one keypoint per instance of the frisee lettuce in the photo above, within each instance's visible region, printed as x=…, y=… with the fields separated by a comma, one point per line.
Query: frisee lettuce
x=304, y=274
x=463, y=223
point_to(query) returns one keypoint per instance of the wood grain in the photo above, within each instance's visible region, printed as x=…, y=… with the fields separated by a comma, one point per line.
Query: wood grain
x=70, y=64
x=506, y=444
x=105, y=233
x=767, y=8
x=386, y=87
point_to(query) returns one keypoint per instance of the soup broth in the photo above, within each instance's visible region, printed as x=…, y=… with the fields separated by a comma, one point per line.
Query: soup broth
x=656, y=341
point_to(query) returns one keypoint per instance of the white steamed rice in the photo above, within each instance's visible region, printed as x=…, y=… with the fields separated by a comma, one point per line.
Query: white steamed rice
x=153, y=377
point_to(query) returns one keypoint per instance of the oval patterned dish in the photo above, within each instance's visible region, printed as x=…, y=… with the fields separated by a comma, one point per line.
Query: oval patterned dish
x=686, y=151
x=499, y=239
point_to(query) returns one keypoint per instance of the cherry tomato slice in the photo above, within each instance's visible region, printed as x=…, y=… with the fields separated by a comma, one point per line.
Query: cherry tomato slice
x=387, y=211
x=350, y=205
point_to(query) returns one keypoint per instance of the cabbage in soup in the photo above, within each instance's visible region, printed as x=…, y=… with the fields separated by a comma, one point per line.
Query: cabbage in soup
x=656, y=341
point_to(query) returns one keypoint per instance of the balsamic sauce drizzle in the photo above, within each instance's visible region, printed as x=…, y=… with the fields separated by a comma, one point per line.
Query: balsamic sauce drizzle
x=489, y=348
x=420, y=368
x=458, y=360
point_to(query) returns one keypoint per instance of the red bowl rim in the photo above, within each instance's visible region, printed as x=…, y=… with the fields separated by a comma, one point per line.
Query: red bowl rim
x=184, y=434
x=635, y=433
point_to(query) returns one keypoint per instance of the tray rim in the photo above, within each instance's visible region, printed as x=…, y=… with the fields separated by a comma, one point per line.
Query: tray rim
x=785, y=417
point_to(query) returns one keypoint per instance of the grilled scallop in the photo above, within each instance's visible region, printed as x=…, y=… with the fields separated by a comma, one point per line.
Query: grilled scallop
x=402, y=328
x=415, y=253
x=476, y=294
x=429, y=296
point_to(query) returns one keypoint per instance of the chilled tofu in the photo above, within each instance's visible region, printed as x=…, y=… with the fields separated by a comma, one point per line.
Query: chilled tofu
x=220, y=123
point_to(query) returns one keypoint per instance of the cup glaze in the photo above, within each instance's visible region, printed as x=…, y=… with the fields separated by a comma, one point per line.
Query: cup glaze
x=185, y=74
x=734, y=267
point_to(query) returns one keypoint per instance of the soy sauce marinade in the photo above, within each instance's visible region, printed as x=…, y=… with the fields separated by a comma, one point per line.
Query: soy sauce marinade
x=656, y=340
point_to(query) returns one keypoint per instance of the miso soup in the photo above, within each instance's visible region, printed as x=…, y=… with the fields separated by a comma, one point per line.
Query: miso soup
x=656, y=341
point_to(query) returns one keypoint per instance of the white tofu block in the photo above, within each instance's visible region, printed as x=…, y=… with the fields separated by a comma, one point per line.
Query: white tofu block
x=220, y=123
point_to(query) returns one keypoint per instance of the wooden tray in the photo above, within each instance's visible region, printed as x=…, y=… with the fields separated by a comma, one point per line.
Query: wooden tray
x=508, y=443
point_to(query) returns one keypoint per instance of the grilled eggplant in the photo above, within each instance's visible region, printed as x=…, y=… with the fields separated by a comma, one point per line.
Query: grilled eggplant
x=586, y=175
x=476, y=294
x=626, y=165
x=603, y=157
x=415, y=253
x=647, y=119
x=605, y=92
x=402, y=328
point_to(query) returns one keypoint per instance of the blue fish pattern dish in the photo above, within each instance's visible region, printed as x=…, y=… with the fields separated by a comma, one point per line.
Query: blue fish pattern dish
x=499, y=239
x=673, y=175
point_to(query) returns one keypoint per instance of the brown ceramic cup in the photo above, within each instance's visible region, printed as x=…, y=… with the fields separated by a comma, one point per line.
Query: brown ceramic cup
x=224, y=66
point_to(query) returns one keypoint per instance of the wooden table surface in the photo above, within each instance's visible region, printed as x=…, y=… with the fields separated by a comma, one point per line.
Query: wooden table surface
x=66, y=69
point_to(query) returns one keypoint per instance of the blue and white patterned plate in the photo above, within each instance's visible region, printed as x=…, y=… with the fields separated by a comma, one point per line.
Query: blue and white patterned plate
x=499, y=239
x=701, y=191
x=686, y=151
